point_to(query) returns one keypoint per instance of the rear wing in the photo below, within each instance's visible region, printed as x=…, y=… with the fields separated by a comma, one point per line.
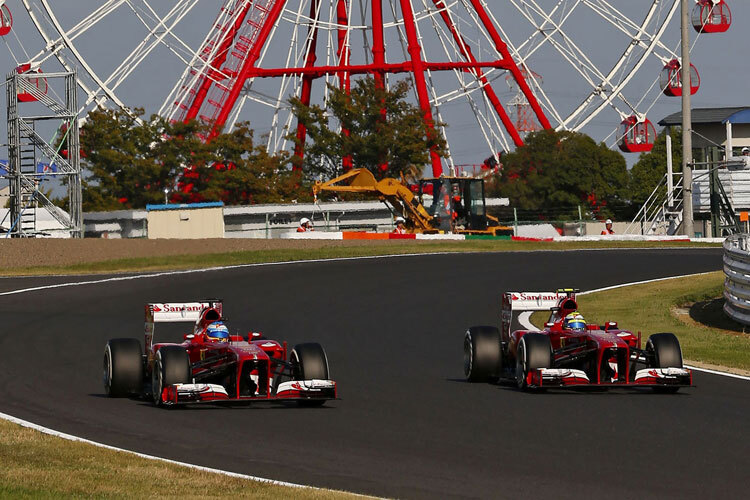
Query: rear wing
x=515, y=302
x=176, y=312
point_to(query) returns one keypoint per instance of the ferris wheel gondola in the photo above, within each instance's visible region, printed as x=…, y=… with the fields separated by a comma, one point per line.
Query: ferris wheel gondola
x=711, y=16
x=6, y=19
x=670, y=79
x=637, y=135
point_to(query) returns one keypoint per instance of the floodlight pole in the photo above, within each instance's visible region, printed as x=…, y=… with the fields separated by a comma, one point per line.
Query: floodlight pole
x=687, y=143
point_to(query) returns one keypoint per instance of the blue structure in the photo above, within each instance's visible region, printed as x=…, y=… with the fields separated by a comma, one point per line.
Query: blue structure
x=184, y=206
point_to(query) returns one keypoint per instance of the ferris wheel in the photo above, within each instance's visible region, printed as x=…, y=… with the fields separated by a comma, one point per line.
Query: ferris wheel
x=490, y=71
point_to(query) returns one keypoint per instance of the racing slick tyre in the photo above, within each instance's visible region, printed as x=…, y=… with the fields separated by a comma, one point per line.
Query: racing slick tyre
x=171, y=366
x=483, y=359
x=123, y=368
x=309, y=361
x=665, y=352
x=534, y=351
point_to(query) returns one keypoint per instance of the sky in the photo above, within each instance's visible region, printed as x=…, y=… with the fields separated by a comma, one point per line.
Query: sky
x=721, y=60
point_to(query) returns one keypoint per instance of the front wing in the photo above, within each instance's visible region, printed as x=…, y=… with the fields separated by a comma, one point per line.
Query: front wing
x=647, y=377
x=294, y=390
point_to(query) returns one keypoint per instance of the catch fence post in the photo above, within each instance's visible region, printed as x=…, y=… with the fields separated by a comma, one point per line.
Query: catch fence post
x=580, y=221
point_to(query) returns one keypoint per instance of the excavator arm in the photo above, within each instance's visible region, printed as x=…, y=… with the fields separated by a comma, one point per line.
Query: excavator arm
x=390, y=191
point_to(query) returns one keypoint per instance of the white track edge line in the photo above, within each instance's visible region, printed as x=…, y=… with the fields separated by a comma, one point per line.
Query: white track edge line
x=308, y=261
x=643, y=282
x=525, y=320
x=209, y=269
x=239, y=266
x=717, y=372
x=525, y=317
x=70, y=437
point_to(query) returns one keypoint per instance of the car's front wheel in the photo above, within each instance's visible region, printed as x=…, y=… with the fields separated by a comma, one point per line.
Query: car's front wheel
x=309, y=361
x=664, y=351
x=171, y=366
x=534, y=351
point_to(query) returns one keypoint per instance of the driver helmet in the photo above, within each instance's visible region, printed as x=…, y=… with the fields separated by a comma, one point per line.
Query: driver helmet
x=218, y=332
x=304, y=221
x=574, y=321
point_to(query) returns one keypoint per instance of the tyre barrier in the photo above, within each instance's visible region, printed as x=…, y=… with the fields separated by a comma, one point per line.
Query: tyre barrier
x=737, y=281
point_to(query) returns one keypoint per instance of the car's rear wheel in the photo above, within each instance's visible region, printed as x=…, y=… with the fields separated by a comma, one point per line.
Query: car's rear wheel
x=483, y=360
x=123, y=367
x=664, y=352
x=171, y=366
x=309, y=361
x=534, y=351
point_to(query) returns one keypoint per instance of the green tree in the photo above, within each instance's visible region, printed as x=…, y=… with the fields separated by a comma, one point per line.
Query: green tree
x=383, y=129
x=651, y=167
x=128, y=164
x=239, y=172
x=560, y=171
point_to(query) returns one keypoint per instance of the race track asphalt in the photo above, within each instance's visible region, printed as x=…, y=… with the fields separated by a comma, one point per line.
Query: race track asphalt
x=407, y=425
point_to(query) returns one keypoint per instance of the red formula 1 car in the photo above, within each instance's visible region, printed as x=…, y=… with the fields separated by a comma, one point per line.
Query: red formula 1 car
x=568, y=352
x=213, y=366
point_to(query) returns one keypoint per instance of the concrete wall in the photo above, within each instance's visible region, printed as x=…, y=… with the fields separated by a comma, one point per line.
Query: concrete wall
x=186, y=223
x=273, y=220
x=595, y=228
x=261, y=221
x=115, y=224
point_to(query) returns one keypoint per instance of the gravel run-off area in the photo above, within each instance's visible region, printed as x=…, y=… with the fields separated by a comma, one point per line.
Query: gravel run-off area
x=33, y=252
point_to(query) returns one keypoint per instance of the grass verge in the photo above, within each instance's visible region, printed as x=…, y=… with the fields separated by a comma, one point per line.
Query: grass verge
x=177, y=262
x=37, y=465
x=687, y=307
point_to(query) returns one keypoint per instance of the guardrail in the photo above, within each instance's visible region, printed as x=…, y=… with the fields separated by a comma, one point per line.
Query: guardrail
x=737, y=282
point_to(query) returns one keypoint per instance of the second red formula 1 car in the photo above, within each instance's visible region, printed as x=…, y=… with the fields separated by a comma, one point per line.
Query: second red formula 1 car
x=569, y=352
x=212, y=366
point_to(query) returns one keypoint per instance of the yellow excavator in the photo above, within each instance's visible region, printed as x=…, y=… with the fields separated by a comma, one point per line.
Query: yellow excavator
x=440, y=204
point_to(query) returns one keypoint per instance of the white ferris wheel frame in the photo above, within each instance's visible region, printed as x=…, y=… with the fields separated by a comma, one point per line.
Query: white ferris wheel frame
x=606, y=90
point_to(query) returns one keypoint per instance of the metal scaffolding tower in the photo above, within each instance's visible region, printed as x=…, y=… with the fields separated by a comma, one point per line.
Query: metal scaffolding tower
x=31, y=159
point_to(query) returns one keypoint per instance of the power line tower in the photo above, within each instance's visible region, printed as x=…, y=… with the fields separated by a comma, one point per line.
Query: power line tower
x=522, y=113
x=31, y=159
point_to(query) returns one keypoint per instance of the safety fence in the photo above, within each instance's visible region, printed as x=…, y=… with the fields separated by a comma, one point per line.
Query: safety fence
x=737, y=282
x=365, y=235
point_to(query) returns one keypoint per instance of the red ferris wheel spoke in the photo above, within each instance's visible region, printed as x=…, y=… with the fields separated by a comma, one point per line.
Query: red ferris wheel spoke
x=343, y=53
x=273, y=9
x=486, y=87
x=502, y=48
x=418, y=68
x=227, y=83
x=307, y=79
x=216, y=63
